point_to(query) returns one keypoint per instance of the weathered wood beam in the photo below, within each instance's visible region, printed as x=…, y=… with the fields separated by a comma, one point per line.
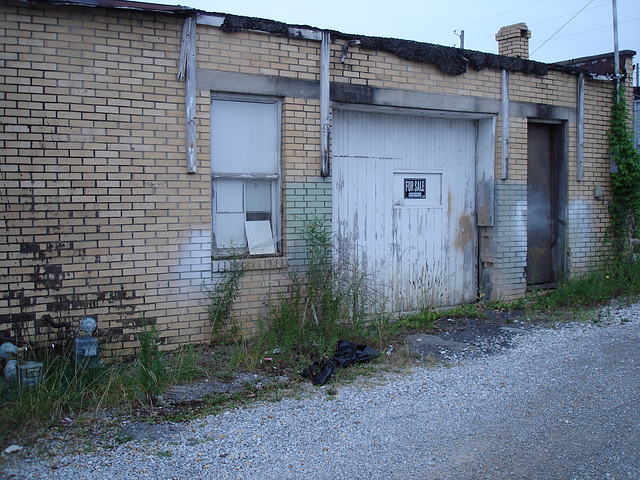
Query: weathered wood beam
x=580, y=123
x=190, y=94
x=504, y=119
x=325, y=104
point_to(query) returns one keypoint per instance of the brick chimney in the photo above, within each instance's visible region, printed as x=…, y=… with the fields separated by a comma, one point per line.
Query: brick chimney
x=513, y=41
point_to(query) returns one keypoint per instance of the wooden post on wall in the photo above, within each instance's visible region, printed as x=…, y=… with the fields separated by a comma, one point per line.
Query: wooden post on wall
x=504, y=137
x=580, y=121
x=324, y=103
x=190, y=28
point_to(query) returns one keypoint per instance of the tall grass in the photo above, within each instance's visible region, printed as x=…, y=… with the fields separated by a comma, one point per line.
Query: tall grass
x=326, y=302
x=620, y=278
x=65, y=389
x=68, y=388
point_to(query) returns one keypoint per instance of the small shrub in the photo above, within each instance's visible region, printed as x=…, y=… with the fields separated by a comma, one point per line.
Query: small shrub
x=221, y=298
x=150, y=365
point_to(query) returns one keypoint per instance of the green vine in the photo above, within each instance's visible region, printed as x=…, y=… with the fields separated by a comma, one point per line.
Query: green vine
x=625, y=205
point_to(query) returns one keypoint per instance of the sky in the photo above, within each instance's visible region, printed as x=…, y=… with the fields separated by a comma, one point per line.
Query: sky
x=560, y=29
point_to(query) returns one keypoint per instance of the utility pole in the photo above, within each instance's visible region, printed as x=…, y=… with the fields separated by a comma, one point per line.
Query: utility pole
x=461, y=35
x=616, y=57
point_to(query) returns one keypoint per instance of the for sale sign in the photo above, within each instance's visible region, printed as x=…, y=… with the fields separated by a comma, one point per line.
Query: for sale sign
x=415, y=188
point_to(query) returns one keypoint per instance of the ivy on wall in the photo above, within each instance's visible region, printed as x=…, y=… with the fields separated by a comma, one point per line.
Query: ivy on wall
x=625, y=205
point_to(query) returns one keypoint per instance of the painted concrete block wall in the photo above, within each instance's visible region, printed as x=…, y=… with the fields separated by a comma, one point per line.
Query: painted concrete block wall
x=306, y=202
x=504, y=246
x=102, y=219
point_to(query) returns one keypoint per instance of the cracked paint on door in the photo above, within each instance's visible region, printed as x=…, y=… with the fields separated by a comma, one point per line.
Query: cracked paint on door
x=404, y=205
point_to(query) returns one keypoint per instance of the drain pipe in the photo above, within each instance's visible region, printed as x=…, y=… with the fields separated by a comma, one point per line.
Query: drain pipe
x=48, y=319
x=616, y=57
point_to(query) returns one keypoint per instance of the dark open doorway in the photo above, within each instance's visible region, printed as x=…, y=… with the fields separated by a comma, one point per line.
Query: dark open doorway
x=546, y=203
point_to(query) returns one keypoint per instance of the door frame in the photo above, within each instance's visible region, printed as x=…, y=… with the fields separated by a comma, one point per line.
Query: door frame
x=558, y=151
x=484, y=214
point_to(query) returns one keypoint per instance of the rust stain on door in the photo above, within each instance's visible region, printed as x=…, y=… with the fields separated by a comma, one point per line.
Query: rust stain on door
x=465, y=232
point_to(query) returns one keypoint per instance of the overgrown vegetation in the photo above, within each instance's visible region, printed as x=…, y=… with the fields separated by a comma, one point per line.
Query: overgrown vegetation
x=327, y=302
x=221, y=297
x=331, y=301
x=69, y=388
x=625, y=205
x=619, y=279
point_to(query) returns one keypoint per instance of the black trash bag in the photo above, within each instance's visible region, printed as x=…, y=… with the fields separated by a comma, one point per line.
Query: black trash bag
x=319, y=372
x=347, y=354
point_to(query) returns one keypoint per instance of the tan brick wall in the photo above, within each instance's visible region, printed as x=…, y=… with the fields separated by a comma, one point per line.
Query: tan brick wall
x=300, y=139
x=385, y=70
x=257, y=54
x=556, y=88
x=101, y=215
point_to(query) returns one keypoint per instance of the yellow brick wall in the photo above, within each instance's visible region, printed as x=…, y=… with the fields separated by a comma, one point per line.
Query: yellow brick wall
x=589, y=223
x=300, y=139
x=101, y=215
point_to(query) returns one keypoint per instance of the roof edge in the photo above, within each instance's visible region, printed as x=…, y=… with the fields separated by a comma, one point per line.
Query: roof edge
x=450, y=60
x=592, y=58
x=120, y=4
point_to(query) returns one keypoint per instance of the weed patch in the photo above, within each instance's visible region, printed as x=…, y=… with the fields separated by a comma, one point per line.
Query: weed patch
x=68, y=390
x=221, y=297
x=620, y=279
x=327, y=302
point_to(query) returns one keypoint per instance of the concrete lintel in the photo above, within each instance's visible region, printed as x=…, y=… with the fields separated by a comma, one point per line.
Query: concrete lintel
x=215, y=80
x=541, y=111
x=431, y=101
x=218, y=81
x=211, y=20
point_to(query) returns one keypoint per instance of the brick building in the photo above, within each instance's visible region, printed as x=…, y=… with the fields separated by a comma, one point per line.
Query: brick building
x=140, y=142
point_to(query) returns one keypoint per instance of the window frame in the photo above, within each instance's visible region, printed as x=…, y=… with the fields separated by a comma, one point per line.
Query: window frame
x=275, y=179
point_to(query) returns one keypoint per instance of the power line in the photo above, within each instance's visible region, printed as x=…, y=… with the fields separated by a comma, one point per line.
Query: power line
x=578, y=13
x=593, y=29
x=600, y=5
x=490, y=18
x=504, y=13
x=541, y=22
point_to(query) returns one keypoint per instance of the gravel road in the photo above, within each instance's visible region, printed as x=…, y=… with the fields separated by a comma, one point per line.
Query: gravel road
x=562, y=403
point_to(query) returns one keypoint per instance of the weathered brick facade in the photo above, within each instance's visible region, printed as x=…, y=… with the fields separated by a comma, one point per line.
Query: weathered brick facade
x=100, y=217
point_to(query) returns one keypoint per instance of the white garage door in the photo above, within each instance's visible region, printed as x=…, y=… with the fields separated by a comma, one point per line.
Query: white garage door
x=404, y=203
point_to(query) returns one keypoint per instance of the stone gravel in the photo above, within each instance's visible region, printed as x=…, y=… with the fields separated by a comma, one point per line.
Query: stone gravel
x=561, y=403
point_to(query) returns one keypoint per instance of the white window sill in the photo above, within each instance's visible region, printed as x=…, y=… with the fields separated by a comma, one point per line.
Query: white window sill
x=257, y=263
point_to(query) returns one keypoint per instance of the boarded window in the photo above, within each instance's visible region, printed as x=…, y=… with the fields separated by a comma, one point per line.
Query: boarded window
x=245, y=166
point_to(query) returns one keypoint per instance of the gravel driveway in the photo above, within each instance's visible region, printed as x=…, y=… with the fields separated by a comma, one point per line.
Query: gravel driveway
x=561, y=403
